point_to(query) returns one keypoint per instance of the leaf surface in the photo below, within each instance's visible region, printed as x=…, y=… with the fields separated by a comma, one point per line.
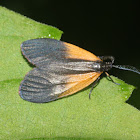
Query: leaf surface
x=104, y=116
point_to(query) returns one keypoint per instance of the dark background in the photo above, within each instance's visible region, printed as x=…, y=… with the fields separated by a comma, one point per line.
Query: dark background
x=104, y=28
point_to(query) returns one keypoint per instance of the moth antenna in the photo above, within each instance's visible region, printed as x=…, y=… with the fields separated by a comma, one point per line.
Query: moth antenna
x=127, y=67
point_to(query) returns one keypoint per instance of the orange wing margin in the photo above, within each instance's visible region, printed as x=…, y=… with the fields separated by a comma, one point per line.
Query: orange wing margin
x=77, y=86
x=75, y=52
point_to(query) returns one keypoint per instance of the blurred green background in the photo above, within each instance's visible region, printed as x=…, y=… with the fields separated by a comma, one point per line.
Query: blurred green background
x=101, y=27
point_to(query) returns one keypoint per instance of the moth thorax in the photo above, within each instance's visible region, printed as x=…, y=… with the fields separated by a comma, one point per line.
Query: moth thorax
x=106, y=66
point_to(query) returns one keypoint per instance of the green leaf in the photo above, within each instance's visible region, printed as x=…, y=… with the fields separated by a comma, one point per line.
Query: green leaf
x=14, y=29
x=104, y=116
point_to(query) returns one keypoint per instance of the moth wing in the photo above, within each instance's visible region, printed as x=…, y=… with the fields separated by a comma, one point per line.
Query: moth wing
x=75, y=52
x=42, y=86
x=81, y=84
x=46, y=50
x=62, y=69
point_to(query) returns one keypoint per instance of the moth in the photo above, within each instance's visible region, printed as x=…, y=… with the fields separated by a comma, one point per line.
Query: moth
x=61, y=69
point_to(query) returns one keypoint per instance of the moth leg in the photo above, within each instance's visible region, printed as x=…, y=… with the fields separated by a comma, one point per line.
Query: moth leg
x=111, y=78
x=96, y=82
